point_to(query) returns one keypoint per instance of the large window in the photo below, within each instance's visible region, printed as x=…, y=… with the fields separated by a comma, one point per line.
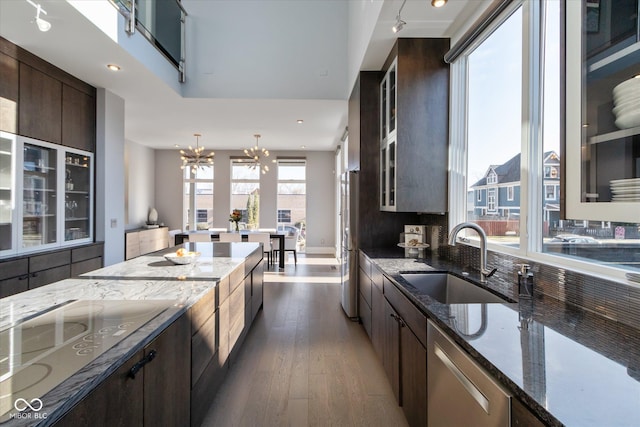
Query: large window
x=292, y=198
x=198, y=198
x=245, y=193
x=494, y=105
x=506, y=88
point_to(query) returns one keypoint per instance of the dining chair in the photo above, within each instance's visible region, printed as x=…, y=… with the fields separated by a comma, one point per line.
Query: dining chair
x=290, y=245
x=200, y=237
x=230, y=237
x=265, y=239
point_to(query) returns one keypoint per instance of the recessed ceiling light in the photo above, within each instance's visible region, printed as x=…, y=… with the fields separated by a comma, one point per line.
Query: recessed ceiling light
x=303, y=146
x=438, y=3
x=176, y=145
x=299, y=121
x=113, y=67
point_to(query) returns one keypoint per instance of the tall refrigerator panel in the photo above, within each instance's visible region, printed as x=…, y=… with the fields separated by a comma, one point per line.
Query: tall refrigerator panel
x=349, y=249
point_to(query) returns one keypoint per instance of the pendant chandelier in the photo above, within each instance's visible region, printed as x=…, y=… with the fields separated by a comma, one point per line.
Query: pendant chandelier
x=195, y=158
x=258, y=157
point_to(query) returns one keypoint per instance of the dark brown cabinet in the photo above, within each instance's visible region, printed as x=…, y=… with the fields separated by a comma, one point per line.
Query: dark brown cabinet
x=40, y=101
x=32, y=271
x=8, y=93
x=414, y=133
x=405, y=354
x=40, y=105
x=158, y=395
x=391, y=352
x=78, y=119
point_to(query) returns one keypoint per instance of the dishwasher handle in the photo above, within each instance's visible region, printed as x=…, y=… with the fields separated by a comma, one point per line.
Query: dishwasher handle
x=462, y=378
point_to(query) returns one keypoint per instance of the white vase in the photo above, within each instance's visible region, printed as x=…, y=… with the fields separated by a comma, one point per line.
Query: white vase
x=153, y=216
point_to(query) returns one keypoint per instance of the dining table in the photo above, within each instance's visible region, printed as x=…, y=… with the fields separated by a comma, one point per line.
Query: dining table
x=180, y=238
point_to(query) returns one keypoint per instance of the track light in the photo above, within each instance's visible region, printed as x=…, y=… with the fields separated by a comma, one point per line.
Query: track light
x=399, y=22
x=438, y=3
x=398, y=25
x=41, y=23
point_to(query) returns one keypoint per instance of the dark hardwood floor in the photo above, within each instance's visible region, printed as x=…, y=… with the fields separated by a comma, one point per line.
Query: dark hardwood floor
x=303, y=362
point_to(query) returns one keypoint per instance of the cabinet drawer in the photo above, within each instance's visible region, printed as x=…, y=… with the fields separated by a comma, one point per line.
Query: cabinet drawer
x=41, y=278
x=50, y=260
x=13, y=286
x=236, y=305
x=86, y=266
x=15, y=268
x=376, y=277
x=413, y=317
x=223, y=290
x=365, y=287
x=86, y=252
x=236, y=278
x=365, y=264
x=365, y=315
x=204, y=346
x=202, y=310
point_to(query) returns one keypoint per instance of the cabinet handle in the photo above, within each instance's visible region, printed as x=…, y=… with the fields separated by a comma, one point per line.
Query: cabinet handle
x=34, y=274
x=135, y=368
x=25, y=277
x=398, y=319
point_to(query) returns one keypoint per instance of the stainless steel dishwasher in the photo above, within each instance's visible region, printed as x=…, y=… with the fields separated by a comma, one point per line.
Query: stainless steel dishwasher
x=459, y=391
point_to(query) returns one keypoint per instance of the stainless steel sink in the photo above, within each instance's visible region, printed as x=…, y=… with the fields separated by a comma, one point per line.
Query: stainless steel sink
x=449, y=289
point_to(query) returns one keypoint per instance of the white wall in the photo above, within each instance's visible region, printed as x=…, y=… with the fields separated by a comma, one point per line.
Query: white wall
x=110, y=184
x=139, y=163
x=320, y=194
x=168, y=188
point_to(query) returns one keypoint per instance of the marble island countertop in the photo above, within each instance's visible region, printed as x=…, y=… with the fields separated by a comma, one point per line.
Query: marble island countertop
x=149, y=277
x=569, y=366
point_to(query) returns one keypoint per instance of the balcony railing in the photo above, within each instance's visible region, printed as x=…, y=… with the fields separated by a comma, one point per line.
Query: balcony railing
x=162, y=22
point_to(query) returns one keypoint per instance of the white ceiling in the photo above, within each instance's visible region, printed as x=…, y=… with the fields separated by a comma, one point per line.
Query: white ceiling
x=252, y=67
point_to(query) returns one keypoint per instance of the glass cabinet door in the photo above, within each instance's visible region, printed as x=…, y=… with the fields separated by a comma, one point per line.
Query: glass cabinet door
x=603, y=110
x=77, y=196
x=7, y=195
x=39, y=202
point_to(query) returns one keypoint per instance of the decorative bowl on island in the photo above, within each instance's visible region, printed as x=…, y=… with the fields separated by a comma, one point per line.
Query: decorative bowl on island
x=182, y=257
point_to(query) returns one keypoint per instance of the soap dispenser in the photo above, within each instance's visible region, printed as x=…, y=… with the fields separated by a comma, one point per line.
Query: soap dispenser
x=525, y=282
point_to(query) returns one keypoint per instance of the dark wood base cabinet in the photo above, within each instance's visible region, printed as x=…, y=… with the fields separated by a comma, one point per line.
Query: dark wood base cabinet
x=26, y=272
x=158, y=395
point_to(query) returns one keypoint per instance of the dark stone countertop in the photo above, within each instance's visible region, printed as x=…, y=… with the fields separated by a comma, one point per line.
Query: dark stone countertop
x=569, y=366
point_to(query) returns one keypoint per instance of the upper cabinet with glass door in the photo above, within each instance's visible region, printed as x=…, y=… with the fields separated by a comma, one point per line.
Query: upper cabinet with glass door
x=414, y=123
x=603, y=110
x=388, y=97
x=8, y=237
x=46, y=195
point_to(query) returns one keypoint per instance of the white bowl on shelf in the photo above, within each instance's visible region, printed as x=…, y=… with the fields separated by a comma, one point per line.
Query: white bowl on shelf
x=628, y=105
x=628, y=119
x=627, y=98
x=630, y=85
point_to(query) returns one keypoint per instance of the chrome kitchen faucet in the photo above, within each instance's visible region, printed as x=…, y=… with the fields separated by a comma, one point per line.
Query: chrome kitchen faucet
x=485, y=273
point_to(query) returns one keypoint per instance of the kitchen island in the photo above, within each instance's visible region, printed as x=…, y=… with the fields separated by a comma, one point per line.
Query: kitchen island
x=210, y=303
x=562, y=365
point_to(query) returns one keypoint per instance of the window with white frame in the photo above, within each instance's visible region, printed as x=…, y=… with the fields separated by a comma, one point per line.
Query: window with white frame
x=525, y=109
x=197, y=205
x=479, y=193
x=549, y=192
x=245, y=193
x=493, y=117
x=510, y=193
x=292, y=198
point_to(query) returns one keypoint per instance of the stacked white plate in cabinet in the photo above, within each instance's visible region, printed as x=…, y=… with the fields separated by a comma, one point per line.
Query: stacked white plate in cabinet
x=625, y=190
x=626, y=98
